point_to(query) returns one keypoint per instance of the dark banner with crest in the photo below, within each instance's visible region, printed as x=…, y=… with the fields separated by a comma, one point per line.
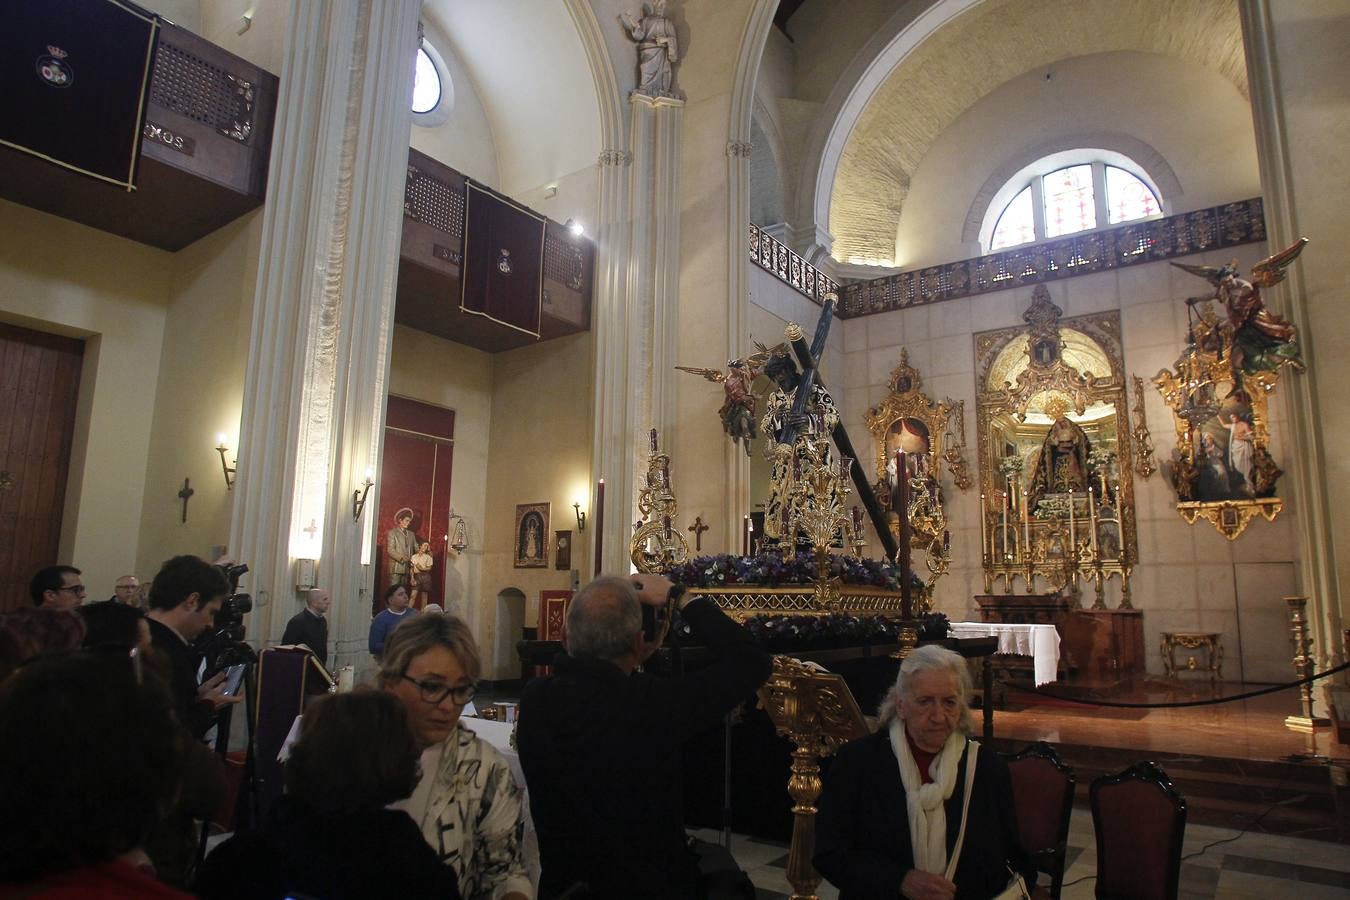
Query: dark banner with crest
x=76, y=74
x=503, y=260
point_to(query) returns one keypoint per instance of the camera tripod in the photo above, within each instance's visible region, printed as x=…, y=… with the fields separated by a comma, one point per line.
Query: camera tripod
x=248, y=795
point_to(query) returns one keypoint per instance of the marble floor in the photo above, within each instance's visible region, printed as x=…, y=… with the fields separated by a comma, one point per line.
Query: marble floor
x=1217, y=864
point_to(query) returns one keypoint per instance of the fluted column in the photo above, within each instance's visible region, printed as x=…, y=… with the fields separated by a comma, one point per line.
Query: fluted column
x=319, y=342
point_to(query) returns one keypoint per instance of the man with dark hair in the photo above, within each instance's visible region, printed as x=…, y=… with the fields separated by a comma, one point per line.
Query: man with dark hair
x=600, y=743
x=309, y=627
x=184, y=599
x=57, y=587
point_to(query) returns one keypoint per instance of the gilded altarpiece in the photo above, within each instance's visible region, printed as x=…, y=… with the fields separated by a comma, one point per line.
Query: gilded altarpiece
x=1055, y=454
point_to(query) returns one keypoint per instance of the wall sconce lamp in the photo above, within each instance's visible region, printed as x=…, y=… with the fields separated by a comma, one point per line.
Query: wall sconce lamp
x=222, y=448
x=581, y=516
x=359, y=495
x=575, y=227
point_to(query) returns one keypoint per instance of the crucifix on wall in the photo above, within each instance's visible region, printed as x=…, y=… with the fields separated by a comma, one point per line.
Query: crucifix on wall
x=185, y=495
x=698, y=528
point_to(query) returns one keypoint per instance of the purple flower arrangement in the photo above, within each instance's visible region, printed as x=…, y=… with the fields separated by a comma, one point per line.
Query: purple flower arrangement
x=780, y=633
x=772, y=570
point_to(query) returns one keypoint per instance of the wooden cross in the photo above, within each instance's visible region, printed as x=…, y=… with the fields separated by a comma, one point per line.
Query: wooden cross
x=185, y=494
x=312, y=530
x=698, y=528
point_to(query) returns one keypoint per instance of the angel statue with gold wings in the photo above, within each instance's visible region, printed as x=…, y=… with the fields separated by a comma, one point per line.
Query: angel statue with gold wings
x=1259, y=340
x=738, y=409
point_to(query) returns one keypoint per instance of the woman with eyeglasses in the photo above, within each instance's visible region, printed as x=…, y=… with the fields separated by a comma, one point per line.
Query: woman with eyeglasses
x=466, y=803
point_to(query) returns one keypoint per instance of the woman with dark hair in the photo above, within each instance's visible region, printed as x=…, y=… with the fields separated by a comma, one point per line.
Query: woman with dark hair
x=330, y=835
x=89, y=761
x=111, y=624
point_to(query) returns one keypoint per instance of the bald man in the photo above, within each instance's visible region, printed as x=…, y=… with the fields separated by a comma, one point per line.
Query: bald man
x=309, y=627
x=127, y=591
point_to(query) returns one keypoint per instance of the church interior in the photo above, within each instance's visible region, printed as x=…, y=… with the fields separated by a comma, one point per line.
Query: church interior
x=1040, y=259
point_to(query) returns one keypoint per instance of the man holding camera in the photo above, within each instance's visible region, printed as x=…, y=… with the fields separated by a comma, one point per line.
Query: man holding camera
x=184, y=599
x=600, y=743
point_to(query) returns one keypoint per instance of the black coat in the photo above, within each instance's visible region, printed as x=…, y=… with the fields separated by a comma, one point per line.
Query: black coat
x=300, y=853
x=196, y=715
x=601, y=754
x=862, y=829
x=308, y=629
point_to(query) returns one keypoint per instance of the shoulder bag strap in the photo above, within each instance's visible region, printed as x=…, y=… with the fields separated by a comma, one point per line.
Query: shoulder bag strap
x=974, y=749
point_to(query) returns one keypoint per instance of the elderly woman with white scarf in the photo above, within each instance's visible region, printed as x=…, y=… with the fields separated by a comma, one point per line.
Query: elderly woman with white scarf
x=919, y=810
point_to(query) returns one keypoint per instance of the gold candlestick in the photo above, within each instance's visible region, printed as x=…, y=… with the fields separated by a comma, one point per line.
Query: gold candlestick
x=1303, y=667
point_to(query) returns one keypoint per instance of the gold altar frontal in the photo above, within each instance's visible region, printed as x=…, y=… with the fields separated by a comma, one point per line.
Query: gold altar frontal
x=743, y=601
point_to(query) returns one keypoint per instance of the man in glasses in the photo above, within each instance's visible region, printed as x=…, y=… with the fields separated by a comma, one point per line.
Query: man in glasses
x=57, y=587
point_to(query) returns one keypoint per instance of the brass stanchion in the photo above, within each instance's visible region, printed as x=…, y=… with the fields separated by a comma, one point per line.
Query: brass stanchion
x=1307, y=723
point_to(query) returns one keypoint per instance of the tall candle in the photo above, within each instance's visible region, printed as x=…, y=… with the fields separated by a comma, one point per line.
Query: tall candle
x=745, y=536
x=901, y=504
x=599, y=524
x=1092, y=522
x=665, y=522
x=653, y=440
x=1005, y=524
x=1026, y=529
x=984, y=526
x=1073, y=537
x=845, y=465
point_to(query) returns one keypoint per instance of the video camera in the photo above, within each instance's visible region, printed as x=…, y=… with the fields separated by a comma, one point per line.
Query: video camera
x=224, y=646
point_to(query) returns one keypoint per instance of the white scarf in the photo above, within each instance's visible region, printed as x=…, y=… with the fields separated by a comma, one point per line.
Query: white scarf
x=924, y=802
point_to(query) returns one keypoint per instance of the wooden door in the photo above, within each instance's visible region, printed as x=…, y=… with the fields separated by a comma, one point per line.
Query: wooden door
x=39, y=386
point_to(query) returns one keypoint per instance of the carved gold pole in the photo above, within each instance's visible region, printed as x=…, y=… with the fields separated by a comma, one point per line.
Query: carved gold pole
x=816, y=711
x=1303, y=667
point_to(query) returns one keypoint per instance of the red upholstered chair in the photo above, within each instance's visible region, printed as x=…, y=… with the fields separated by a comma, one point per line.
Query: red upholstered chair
x=1140, y=821
x=1043, y=794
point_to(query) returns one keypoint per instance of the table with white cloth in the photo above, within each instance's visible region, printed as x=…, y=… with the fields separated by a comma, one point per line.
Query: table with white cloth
x=498, y=734
x=1040, y=642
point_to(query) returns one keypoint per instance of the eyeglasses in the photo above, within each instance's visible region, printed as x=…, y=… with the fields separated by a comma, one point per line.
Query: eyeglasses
x=77, y=589
x=435, y=692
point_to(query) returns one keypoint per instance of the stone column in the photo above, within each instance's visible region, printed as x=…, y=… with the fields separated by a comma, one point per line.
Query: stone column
x=1293, y=60
x=319, y=345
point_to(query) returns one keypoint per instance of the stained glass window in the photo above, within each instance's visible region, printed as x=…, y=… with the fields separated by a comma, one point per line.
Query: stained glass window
x=1127, y=197
x=1069, y=205
x=426, y=84
x=1017, y=224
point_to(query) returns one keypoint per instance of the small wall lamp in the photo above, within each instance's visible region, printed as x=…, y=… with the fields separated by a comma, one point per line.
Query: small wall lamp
x=575, y=227
x=222, y=448
x=581, y=516
x=359, y=495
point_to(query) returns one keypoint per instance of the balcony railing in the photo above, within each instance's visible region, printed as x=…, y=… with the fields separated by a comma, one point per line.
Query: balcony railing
x=1097, y=251
x=774, y=257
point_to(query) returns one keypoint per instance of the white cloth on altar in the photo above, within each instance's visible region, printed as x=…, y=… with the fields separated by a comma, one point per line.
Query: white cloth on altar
x=498, y=734
x=1040, y=642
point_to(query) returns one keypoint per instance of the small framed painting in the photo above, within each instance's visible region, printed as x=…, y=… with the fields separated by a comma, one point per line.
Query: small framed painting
x=532, y=536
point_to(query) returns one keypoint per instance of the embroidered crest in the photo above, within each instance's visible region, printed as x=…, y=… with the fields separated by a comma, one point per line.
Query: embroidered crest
x=53, y=69
x=504, y=261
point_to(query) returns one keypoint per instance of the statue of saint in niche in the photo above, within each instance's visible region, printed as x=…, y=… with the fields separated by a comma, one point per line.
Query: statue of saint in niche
x=1063, y=462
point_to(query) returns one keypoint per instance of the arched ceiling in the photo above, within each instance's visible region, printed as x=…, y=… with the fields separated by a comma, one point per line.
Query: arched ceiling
x=531, y=72
x=971, y=56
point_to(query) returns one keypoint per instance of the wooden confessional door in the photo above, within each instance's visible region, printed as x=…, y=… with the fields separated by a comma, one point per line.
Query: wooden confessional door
x=39, y=387
x=415, y=474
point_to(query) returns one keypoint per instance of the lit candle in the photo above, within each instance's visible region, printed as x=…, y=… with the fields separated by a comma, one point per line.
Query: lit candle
x=599, y=524
x=745, y=536
x=1026, y=529
x=1005, y=524
x=1092, y=521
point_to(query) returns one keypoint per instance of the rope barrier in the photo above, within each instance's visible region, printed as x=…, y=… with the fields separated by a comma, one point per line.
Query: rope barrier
x=1179, y=704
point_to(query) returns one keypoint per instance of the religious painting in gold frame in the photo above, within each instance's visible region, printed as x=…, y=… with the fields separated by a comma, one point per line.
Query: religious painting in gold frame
x=1221, y=470
x=1055, y=454
x=909, y=420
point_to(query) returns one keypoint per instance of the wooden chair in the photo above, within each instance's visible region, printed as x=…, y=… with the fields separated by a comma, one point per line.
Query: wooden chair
x=1140, y=821
x=1043, y=794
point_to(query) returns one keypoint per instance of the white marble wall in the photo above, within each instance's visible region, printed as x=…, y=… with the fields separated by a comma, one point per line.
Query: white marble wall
x=1189, y=577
